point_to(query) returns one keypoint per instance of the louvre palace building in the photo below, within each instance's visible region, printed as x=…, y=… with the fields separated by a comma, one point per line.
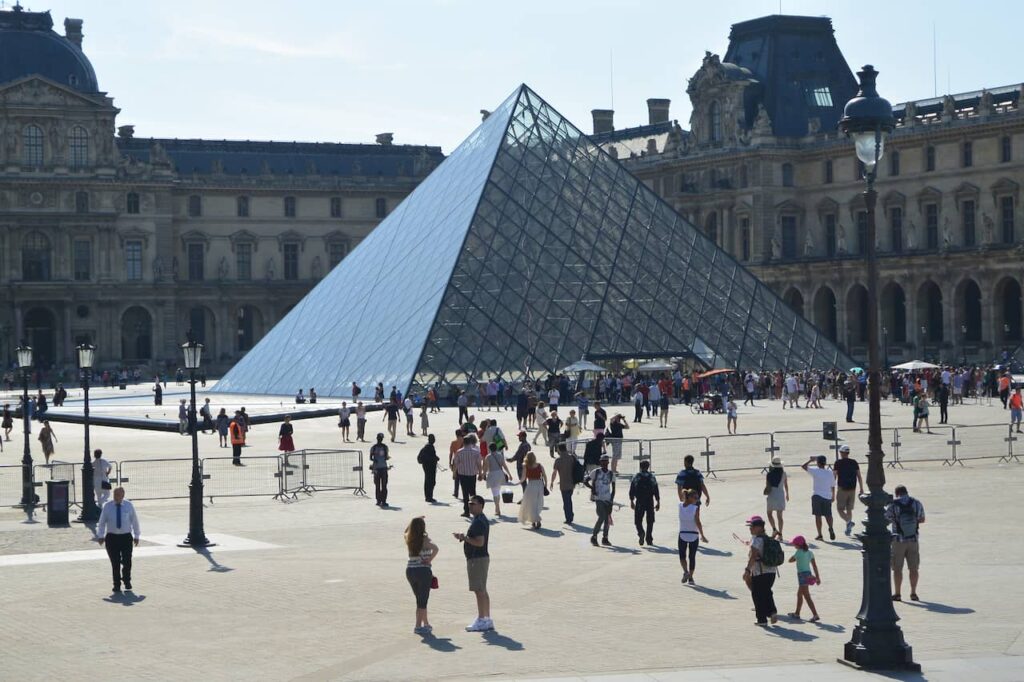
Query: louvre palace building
x=127, y=241
x=763, y=171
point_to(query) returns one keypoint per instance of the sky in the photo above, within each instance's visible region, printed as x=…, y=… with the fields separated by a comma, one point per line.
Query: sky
x=343, y=71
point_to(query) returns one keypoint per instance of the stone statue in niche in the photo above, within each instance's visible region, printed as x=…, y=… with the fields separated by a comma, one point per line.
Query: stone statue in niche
x=763, y=123
x=271, y=268
x=158, y=268
x=813, y=125
x=174, y=268
x=947, y=234
x=911, y=236
x=841, y=240
x=808, y=244
x=776, y=246
x=990, y=228
x=158, y=155
x=222, y=268
x=317, y=269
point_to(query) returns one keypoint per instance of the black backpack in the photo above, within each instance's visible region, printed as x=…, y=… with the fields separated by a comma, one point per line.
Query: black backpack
x=579, y=472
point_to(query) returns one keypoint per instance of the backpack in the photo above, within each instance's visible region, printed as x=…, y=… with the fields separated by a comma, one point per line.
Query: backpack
x=905, y=518
x=772, y=554
x=690, y=479
x=579, y=472
x=644, y=485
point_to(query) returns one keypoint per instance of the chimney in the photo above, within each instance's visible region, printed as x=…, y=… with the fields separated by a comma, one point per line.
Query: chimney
x=603, y=120
x=126, y=132
x=73, y=31
x=385, y=139
x=657, y=110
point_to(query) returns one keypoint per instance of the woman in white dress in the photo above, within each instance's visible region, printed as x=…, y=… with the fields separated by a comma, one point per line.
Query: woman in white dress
x=497, y=474
x=533, y=497
x=776, y=490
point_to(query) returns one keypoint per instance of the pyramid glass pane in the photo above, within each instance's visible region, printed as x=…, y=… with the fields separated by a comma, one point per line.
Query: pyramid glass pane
x=529, y=247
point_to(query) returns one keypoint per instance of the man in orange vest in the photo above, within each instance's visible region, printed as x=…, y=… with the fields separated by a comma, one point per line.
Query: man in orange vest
x=237, y=432
x=1004, y=388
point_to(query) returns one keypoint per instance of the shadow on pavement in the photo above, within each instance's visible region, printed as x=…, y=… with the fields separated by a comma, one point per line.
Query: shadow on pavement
x=721, y=594
x=830, y=627
x=843, y=545
x=214, y=566
x=786, y=633
x=661, y=549
x=126, y=598
x=548, y=532
x=935, y=607
x=621, y=550
x=391, y=507
x=704, y=549
x=442, y=644
x=495, y=639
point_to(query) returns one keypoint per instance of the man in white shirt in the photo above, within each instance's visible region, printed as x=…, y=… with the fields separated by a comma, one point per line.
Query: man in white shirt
x=824, y=493
x=118, y=529
x=553, y=396
x=100, y=478
x=601, y=482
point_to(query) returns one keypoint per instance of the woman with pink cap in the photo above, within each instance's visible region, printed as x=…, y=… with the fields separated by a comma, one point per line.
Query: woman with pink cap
x=804, y=559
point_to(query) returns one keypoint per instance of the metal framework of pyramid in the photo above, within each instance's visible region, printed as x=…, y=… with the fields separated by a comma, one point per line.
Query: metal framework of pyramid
x=525, y=250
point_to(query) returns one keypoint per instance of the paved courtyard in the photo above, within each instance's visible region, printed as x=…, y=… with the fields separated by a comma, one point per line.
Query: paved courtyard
x=315, y=589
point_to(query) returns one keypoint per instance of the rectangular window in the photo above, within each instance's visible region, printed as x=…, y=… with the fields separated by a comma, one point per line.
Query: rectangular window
x=929, y=158
x=381, y=207
x=196, y=261
x=242, y=207
x=862, y=232
x=81, y=202
x=336, y=252
x=132, y=203
x=967, y=155
x=830, y=235
x=745, y=237
x=967, y=211
x=289, y=207
x=1006, y=212
x=335, y=207
x=195, y=205
x=291, y=261
x=82, y=257
x=133, y=261
x=789, y=237
x=820, y=97
x=243, y=261
x=829, y=177
x=894, y=163
x=1006, y=149
x=787, y=175
x=931, y=221
x=896, y=225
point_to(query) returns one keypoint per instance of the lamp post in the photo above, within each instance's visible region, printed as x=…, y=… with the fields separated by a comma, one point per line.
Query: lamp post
x=90, y=512
x=28, y=493
x=963, y=345
x=885, y=346
x=193, y=352
x=924, y=341
x=877, y=641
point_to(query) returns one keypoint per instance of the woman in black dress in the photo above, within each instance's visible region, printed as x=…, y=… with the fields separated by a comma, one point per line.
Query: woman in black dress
x=8, y=422
x=284, y=436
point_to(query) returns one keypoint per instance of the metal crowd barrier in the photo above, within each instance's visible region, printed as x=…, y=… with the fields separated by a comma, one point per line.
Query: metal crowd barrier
x=10, y=485
x=155, y=479
x=58, y=471
x=667, y=454
x=741, y=452
x=938, y=446
x=333, y=470
x=259, y=475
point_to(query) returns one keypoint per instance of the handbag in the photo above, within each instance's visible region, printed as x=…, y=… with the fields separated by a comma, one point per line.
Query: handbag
x=546, y=491
x=767, y=490
x=433, y=583
x=105, y=485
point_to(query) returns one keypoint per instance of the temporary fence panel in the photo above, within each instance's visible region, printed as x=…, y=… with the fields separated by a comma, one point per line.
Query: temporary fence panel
x=59, y=471
x=333, y=470
x=10, y=485
x=924, y=447
x=741, y=451
x=667, y=454
x=984, y=441
x=796, y=447
x=628, y=452
x=258, y=476
x=154, y=479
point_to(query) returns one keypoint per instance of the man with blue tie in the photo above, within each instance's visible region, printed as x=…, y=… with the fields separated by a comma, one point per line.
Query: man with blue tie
x=118, y=529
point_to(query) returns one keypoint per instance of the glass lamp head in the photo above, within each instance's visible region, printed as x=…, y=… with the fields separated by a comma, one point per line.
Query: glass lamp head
x=86, y=355
x=193, y=352
x=867, y=118
x=24, y=353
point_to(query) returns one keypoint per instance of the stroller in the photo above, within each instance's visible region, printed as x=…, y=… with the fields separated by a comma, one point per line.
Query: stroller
x=710, y=403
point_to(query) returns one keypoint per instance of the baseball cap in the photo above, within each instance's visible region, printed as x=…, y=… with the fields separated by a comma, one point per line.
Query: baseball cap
x=844, y=448
x=798, y=540
x=605, y=457
x=755, y=521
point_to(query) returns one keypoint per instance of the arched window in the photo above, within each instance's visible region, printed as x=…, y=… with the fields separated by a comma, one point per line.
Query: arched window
x=35, y=258
x=32, y=146
x=78, y=147
x=132, y=203
x=715, y=121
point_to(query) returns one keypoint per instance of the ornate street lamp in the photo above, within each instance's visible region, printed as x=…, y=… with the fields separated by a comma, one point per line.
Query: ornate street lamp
x=193, y=352
x=28, y=493
x=924, y=341
x=877, y=641
x=90, y=512
x=885, y=352
x=963, y=335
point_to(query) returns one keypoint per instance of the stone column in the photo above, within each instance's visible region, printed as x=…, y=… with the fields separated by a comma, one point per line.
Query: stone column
x=19, y=327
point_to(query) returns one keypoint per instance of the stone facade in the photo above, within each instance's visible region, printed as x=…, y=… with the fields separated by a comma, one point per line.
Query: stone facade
x=128, y=243
x=791, y=208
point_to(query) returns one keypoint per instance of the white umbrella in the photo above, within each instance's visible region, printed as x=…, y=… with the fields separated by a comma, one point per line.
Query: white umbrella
x=582, y=366
x=915, y=364
x=656, y=366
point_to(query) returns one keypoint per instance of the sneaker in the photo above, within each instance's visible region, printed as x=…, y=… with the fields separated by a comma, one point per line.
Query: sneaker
x=488, y=624
x=690, y=581
x=605, y=542
x=831, y=534
x=593, y=540
x=641, y=539
x=128, y=586
x=849, y=527
x=913, y=596
x=475, y=626
x=686, y=576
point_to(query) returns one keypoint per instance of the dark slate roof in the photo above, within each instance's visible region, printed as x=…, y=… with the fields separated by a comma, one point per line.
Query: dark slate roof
x=932, y=106
x=29, y=46
x=288, y=158
x=649, y=130
x=792, y=56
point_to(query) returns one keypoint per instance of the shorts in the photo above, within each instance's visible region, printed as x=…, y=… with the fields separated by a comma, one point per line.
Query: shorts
x=805, y=578
x=845, y=500
x=476, y=569
x=1014, y=414
x=821, y=506
x=905, y=550
x=419, y=578
x=344, y=423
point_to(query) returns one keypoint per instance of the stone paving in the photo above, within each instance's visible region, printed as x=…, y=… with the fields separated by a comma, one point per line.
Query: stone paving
x=315, y=589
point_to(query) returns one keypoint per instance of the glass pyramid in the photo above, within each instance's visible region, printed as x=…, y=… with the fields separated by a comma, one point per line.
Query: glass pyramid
x=525, y=250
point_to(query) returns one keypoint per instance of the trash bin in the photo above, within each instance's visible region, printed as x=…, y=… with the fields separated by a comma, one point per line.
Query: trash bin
x=57, y=503
x=123, y=386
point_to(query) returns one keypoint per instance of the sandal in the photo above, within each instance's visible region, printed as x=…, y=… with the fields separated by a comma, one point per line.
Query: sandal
x=897, y=597
x=794, y=616
x=814, y=620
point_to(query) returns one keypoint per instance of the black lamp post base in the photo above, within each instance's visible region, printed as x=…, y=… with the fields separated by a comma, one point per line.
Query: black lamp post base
x=878, y=655
x=201, y=542
x=88, y=516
